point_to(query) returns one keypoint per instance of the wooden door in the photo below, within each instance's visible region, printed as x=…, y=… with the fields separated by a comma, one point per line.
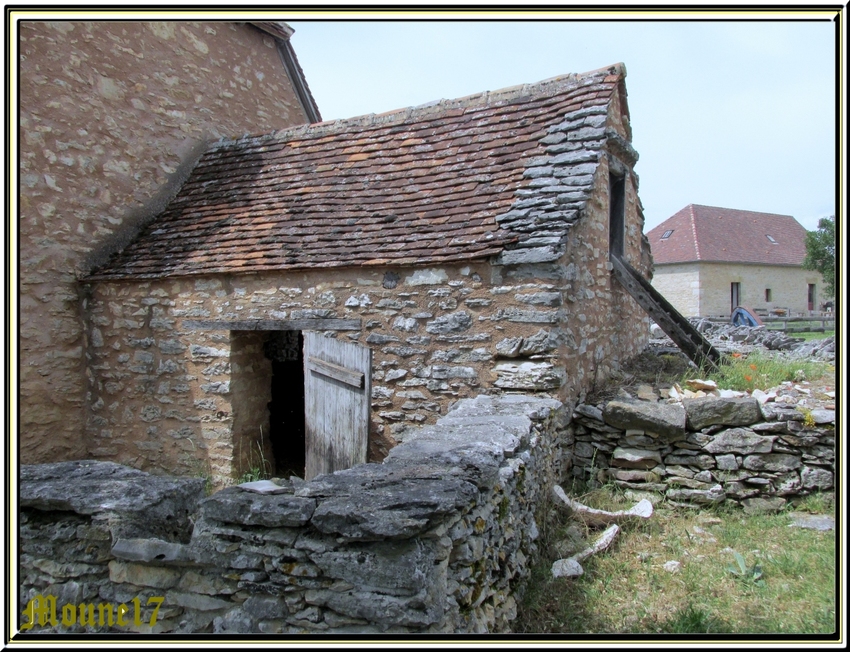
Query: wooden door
x=337, y=402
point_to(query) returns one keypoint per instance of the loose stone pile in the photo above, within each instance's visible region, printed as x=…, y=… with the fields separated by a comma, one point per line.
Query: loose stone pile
x=756, y=450
x=728, y=336
x=437, y=538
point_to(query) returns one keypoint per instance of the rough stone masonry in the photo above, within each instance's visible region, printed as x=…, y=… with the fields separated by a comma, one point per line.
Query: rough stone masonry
x=437, y=538
x=757, y=450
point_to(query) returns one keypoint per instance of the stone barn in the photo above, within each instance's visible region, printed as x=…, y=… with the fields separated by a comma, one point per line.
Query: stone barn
x=310, y=296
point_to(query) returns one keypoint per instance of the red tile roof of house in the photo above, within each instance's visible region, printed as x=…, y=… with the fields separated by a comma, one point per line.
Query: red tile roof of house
x=711, y=234
x=417, y=186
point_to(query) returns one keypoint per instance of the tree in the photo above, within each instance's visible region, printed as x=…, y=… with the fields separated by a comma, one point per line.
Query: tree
x=820, y=252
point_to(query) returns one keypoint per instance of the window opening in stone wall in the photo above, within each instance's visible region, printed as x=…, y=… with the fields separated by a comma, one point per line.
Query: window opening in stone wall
x=811, y=296
x=616, y=214
x=768, y=295
x=286, y=409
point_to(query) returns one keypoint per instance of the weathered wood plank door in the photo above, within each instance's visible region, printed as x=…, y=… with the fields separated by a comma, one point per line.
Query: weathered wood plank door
x=337, y=402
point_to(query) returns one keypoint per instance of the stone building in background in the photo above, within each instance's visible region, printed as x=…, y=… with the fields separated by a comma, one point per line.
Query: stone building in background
x=710, y=260
x=113, y=116
x=310, y=296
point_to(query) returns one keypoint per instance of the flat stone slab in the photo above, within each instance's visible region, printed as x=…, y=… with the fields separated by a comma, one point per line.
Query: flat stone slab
x=821, y=522
x=663, y=419
x=264, y=487
x=740, y=440
x=709, y=411
x=134, y=503
x=233, y=505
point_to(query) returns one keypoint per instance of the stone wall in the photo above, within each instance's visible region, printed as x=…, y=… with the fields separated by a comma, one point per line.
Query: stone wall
x=437, y=538
x=759, y=451
x=165, y=395
x=113, y=115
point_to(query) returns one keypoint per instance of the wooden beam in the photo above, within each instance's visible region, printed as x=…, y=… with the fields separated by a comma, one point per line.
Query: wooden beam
x=348, y=376
x=276, y=325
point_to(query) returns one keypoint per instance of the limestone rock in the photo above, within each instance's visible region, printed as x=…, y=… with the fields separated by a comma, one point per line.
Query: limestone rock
x=812, y=477
x=455, y=322
x=711, y=410
x=740, y=440
x=772, y=462
x=714, y=494
x=819, y=522
x=634, y=458
x=663, y=419
x=567, y=568
x=233, y=505
x=530, y=376
x=761, y=504
x=134, y=503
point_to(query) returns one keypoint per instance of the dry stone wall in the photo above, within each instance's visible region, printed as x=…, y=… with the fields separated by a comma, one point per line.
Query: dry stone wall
x=437, y=538
x=706, y=450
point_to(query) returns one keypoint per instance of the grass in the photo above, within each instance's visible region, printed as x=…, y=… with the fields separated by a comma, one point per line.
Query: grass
x=745, y=372
x=814, y=335
x=626, y=589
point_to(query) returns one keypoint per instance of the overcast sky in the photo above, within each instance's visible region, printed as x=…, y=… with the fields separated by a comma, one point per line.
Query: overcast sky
x=732, y=114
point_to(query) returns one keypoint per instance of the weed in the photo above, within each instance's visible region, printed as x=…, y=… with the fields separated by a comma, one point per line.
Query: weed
x=757, y=370
x=808, y=420
x=259, y=468
x=691, y=620
x=753, y=574
x=817, y=503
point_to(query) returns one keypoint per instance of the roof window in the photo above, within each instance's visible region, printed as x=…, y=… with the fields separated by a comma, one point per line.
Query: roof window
x=770, y=237
x=668, y=233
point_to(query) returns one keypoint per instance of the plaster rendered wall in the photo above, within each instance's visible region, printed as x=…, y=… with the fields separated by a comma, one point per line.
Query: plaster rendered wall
x=112, y=117
x=704, y=289
x=680, y=286
x=788, y=285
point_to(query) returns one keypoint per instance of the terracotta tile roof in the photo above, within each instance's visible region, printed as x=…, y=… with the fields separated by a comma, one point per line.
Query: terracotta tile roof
x=449, y=181
x=711, y=234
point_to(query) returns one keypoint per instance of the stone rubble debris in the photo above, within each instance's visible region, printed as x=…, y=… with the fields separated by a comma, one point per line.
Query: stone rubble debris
x=725, y=337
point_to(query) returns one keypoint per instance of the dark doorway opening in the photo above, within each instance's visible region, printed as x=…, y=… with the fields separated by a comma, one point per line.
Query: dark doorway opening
x=286, y=409
x=616, y=214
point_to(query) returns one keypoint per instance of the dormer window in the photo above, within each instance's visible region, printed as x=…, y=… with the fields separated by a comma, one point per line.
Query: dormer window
x=770, y=237
x=669, y=232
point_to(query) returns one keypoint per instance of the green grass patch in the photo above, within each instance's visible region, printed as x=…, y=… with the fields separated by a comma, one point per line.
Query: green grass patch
x=745, y=372
x=814, y=335
x=787, y=584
